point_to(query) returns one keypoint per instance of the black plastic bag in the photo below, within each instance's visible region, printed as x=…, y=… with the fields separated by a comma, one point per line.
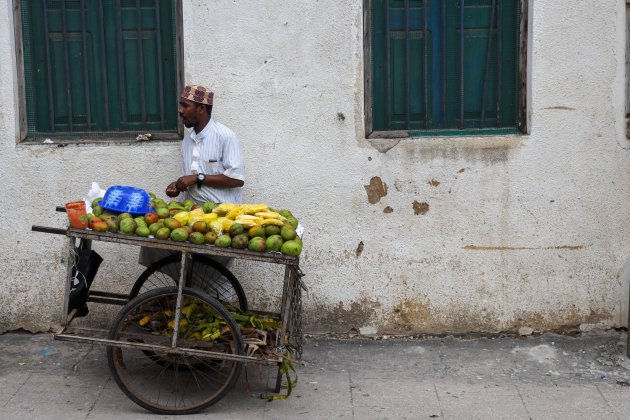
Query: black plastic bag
x=86, y=264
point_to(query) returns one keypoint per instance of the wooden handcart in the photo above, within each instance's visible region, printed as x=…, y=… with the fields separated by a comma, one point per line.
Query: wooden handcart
x=150, y=359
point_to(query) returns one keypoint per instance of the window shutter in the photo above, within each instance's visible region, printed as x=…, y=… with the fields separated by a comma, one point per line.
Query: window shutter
x=99, y=66
x=428, y=73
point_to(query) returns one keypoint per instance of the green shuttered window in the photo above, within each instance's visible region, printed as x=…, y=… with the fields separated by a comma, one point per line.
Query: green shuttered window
x=99, y=67
x=444, y=66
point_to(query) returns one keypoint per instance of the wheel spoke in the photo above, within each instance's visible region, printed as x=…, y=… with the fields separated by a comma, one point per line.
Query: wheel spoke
x=167, y=382
x=218, y=282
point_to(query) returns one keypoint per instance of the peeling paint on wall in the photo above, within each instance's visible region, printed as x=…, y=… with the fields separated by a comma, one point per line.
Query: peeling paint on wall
x=544, y=213
x=384, y=145
x=420, y=208
x=360, y=249
x=340, y=319
x=376, y=190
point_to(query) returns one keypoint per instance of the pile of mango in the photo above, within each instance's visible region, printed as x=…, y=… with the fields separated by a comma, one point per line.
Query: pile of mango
x=241, y=226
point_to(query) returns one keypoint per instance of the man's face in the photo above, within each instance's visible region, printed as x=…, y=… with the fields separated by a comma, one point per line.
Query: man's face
x=189, y=112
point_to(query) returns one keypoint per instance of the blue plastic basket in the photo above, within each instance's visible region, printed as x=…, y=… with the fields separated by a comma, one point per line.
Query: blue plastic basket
x=125, y=199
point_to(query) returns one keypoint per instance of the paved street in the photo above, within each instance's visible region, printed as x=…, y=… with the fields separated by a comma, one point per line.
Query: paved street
x=549, y=376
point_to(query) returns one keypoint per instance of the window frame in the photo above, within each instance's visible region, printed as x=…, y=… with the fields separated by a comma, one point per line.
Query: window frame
x=116, y=137
x=627, y=68
x=523, y=125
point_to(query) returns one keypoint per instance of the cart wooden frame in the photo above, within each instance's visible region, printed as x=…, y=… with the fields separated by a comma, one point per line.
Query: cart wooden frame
x=289, y=339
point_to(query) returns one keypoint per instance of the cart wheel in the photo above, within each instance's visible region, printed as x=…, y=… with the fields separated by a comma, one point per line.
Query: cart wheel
x=208, y=275
x=180, y=384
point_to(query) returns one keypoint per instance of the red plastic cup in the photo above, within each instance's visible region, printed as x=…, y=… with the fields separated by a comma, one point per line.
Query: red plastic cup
x=77, y=214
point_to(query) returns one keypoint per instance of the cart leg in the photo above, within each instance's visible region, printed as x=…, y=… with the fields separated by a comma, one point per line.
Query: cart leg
x=66, y=288
x=287, y=299
x=278, y=380
x=183, y=274
x=285, y=311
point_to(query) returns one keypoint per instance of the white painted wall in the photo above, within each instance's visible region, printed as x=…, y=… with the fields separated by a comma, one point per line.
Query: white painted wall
x=523, y=230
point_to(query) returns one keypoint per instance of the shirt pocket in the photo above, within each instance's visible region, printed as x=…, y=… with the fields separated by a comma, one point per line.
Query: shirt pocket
x=212, y=163
x=214, y=168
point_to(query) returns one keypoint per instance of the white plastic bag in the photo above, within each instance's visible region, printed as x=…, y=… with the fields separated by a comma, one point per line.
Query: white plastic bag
x=95, y=192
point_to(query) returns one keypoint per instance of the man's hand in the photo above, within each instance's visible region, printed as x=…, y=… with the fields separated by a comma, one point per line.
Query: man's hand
x=185, y=181
x=172, y=190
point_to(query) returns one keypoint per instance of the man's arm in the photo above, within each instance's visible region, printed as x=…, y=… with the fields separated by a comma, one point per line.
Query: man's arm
x=214, y=181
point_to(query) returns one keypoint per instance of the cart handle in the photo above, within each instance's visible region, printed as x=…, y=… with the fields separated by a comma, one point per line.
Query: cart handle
x=46, y=229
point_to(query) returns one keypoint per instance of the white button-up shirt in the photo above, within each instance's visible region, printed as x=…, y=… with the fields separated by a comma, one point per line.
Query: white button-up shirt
x=215, y=150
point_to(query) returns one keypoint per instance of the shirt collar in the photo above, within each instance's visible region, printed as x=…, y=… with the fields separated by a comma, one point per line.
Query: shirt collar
x=197, y=137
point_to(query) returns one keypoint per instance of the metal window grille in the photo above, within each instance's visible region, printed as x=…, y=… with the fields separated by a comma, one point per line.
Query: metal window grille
x=96, y=68
x=444, y=64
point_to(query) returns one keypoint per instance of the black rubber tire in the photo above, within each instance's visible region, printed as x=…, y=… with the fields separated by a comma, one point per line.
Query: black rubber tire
x=210, y=378
x=155, y=276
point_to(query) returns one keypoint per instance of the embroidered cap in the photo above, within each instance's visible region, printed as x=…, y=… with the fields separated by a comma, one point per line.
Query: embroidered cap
x=199, y=94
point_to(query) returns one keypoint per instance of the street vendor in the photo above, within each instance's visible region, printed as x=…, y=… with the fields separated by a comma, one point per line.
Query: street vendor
x=212, y=160
x=213, y=168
